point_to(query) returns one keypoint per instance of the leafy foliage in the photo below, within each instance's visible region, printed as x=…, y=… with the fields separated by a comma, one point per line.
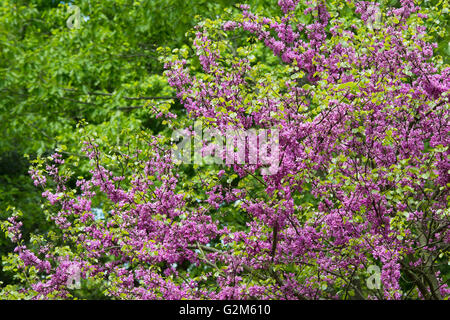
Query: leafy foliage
x=361, y=106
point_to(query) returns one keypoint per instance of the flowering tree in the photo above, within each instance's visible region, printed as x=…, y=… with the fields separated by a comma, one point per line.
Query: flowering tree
x=361, y=110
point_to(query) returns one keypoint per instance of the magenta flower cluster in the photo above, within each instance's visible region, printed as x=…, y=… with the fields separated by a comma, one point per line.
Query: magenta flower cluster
x=363, y=177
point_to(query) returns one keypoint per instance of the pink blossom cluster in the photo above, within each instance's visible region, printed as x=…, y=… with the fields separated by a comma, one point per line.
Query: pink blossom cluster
x=329, y=212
